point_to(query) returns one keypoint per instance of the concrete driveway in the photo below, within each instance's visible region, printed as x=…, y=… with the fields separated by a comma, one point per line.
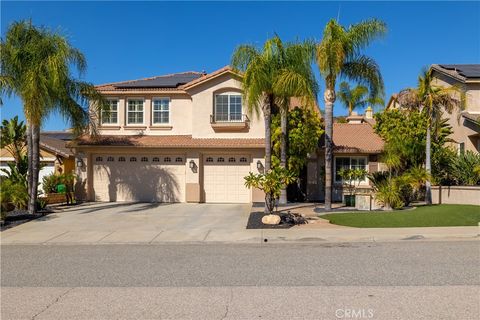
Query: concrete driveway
x=134, y=223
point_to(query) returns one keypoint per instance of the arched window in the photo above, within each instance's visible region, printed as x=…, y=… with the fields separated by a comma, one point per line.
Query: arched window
x=243, y=159
x=110, y=159
x=133, y=159
x=121, y=159
x=99, y=159
x=220, y=159
x=155, y=159
x=144, y=159
x=178, y=159
x=167, y=159
x=231, y=159
x=209, y=159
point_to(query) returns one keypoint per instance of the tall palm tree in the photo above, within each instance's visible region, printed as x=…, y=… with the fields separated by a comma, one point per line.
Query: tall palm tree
x=270, y=77
x=357, y=97
x=339, y=55
x=36, y=66
x=433, y=101
x=13, y=138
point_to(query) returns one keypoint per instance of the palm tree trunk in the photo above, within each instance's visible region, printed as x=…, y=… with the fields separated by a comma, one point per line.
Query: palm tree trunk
x=35, y=163
x=267, y=114
x=329, y=98
x=428, y=166
x=283, y=150
x=30, y=167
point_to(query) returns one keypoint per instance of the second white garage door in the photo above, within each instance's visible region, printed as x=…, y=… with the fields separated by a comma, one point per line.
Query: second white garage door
x=223, y=179
x=146, y=178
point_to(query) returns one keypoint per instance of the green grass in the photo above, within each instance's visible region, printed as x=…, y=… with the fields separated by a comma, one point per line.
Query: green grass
x=444, y=215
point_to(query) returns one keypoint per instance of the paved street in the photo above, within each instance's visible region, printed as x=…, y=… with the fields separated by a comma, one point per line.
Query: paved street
x=398, y=280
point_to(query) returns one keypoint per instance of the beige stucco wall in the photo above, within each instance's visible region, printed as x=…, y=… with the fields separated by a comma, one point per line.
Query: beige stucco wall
x=456, y=195
x=189, y=113
x=462, y=130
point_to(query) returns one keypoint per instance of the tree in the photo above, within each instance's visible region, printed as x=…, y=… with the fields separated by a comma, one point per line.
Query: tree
x=36, y=65
x=339, y=55
x=358, y=97
x=270, y=77
x=433, y=101
x=13, y=138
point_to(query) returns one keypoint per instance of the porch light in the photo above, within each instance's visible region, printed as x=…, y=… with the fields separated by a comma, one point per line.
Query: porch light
x=259, y=165
x=191, y=164
x=79, y=162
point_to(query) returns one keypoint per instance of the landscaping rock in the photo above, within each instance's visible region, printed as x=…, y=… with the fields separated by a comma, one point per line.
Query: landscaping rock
x=271, y=219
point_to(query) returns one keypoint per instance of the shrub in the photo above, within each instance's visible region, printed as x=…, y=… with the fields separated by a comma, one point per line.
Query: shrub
x=465, y=168
x=50, y=182
x=388, y=194
x=13, y=192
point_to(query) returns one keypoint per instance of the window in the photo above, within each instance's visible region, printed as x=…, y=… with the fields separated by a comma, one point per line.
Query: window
x=178, y=159
x=155, y=159
x=167, y=159
x=144, y=159
x=349, y=163
x=121, y=159
x=133, y=159
x=228, y=107
x=110, y=116
x=461, y=148
x=243, y=159
x=220, y=159
x=135, y=111
x=161, y=111
x=110, y=159
x=232, y=159
x=98, y=159
x=209, y=159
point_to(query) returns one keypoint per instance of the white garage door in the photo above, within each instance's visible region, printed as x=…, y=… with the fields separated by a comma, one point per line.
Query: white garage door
x=223, y=179
x=147, y=178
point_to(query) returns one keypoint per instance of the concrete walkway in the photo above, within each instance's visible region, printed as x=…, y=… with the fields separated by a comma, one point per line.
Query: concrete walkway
x=145, y=223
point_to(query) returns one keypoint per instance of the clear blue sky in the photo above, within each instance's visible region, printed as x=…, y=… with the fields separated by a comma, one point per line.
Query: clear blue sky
x=129, y=40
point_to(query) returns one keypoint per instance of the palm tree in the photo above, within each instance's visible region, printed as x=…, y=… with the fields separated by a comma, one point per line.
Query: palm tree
x=13, y=138
x=433, y=101
x=36, y=66
x=358, y=97
x=270, y=77
x=339, y=55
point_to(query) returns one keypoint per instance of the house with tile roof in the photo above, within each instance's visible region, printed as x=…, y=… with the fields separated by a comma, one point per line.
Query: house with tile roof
x=187, y=137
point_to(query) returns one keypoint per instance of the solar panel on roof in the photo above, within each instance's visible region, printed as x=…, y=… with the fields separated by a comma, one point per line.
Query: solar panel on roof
x=466, y=70
x=171, y=81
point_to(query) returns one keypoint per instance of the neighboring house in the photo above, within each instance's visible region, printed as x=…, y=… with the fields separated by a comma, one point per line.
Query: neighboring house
x=182, y=137
x=55, y=157
x=465, y=123
x=356, y=145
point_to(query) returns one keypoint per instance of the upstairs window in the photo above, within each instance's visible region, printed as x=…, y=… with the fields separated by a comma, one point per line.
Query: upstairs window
x=228, y=108
x=135, y=111
x=110, y=114
x=161, y=111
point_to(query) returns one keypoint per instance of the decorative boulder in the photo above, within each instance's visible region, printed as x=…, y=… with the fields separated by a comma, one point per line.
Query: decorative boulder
x=271, y=219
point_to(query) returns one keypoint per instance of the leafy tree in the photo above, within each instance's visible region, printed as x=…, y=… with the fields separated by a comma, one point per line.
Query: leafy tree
x=433, y=101
x=13, y=137
x=271, y=76
x=304, y=132
x=339, y=54
x=356, y=98
x=36, y=65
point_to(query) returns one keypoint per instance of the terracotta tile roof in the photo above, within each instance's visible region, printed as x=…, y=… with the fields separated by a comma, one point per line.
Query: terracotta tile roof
x=356, y=138
x=176, y=141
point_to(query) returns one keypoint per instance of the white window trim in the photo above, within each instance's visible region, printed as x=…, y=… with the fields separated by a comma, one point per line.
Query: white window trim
x=128, y=124
x=227, y=93
x=118, y=114
x=161, y=124
x=362, y=182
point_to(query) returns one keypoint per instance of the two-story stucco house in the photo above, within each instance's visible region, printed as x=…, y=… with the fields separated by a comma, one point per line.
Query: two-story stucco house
x=183, y=137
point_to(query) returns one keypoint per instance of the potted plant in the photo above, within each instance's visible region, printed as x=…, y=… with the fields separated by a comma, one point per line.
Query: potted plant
x=271, y=183
x=351, y=179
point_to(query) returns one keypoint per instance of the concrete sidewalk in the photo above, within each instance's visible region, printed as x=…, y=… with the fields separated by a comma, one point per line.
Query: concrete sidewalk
x=146, y=236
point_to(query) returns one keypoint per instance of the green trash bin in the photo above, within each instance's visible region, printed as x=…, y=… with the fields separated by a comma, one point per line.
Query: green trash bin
x=61, y=188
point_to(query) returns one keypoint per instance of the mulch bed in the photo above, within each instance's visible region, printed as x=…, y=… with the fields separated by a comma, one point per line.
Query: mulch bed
x=17, y=217
x=288, y=220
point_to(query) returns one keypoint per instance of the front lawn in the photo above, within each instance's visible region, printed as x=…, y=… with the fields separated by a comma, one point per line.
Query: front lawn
x=444, y=215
